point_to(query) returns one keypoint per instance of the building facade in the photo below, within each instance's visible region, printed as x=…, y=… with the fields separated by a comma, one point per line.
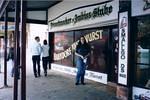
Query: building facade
x=120, y=51
x=141, y=15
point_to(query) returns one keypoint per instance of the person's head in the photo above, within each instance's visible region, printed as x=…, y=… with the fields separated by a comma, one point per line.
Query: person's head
x=45, y=42
x=82, y=40
x=37, y=39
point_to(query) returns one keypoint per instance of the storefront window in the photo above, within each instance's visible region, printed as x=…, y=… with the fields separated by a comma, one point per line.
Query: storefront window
x=143, y=52
x=97, y=38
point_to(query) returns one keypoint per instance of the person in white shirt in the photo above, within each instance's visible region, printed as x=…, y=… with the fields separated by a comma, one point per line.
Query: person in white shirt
x=36, y=52
x=45, y=56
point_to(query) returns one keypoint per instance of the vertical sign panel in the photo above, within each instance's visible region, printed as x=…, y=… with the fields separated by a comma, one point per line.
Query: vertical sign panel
x=123, y=48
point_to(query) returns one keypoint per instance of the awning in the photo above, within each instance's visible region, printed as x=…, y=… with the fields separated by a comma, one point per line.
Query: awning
x=3, y=5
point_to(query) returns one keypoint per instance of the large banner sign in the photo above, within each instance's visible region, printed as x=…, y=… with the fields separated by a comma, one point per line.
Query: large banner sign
x=90, y=37
x=123, y=48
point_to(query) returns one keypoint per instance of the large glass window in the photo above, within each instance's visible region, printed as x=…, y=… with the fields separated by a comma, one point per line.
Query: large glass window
x=97, y=38
x=143, y=52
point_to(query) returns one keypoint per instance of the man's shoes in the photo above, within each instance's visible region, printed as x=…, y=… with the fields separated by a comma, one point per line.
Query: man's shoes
x=18, y=77
x=35, y=76
x=76, y=83
x=39, y=75
x=83, y=83
x=45, y=74
x=12, y=75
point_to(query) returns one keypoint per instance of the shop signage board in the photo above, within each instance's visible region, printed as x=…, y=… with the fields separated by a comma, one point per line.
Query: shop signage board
x=10, y=27
x=86, y=15
x=2, y=28
x=123, y=48
x=140, y=7
x=95, y=76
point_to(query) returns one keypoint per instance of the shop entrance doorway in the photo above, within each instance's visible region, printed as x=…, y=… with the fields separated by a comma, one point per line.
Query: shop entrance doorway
x=51, y=45
x=113, y=56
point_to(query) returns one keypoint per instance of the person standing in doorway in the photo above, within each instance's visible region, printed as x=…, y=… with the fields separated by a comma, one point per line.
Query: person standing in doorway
x=10, y=57
x=82, y=53
x=45, y=56
x=36, y=52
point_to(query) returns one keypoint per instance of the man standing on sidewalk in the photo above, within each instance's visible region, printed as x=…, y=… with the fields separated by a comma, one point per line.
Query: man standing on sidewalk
x=36, y=52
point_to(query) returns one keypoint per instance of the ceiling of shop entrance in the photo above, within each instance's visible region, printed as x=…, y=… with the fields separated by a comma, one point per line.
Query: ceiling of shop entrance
x=34, y=4
x=36, y=10
x=41, y=4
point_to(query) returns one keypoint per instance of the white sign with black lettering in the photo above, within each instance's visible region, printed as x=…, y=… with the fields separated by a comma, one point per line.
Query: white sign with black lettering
x=140, y=94
x=123, y=48
x=95, y=76
x=140, y=7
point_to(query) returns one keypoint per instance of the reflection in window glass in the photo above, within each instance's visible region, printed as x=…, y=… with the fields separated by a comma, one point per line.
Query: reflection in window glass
x=143, y=53
x=63, y=40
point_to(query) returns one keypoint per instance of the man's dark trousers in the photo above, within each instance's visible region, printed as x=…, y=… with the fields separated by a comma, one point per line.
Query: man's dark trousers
x=36, y=60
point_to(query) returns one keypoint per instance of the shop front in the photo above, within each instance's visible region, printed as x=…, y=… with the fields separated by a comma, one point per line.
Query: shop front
x=141, y=84
x=97, y=22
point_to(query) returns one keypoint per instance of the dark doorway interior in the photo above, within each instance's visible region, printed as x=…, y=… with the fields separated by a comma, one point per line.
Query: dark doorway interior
x=113, y=55
x=51, y=44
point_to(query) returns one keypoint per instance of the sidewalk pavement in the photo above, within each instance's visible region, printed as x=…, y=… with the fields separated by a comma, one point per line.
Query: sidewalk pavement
x=56, y=86
x=60, y=86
